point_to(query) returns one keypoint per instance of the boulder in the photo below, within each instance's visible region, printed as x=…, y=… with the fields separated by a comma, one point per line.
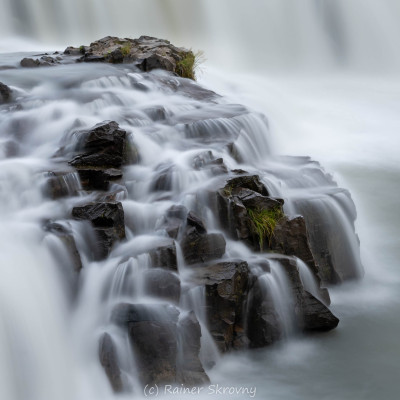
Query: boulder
x=103, y=146
x=61, y=184
x=109, y=361
x=311, y=313
x=164, y=257
x=263, y=324
x=108, y=222
x=173, y=220
x=226, y=289
x=97, y=178
x=44, y=61
x=5, y=93
x=162, y=284
x=190, y=370
x=152, y=331
x=200, y=248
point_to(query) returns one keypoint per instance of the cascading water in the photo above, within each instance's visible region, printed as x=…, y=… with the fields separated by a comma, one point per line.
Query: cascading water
x=50, y=324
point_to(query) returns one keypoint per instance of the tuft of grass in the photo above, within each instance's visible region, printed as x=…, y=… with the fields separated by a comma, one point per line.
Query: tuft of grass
x=186, y=67
x=82, y=49
x=126, y=49
x=264, y=222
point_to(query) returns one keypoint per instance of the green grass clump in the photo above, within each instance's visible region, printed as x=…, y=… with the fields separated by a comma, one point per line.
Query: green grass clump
x=126, y=49
x=264, y=222
x=188, y=64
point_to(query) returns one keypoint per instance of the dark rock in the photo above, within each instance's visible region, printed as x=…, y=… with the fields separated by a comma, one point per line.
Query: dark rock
x=5, y=93
x=103, y=146
x=152, y=330
x=163, y=180
x=44, y=61
x=109, y=361
x=311, y=313
x=96, y=178
x=108, y=221
x=162, y=284
x=199, y=248
x=61, y=184
x=227, y=285
x=194, y=221
x=173, y=220
x=316, y=316
x=251, y=182
x=190, y=369
x=263, y=324
x=290, y=238
x=164, y=257
x=75, y=51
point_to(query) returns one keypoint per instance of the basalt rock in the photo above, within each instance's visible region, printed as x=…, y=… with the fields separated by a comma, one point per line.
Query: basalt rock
x=44, y=61
x=162, y=284
x=164, y=257
x=200, y=248
x=95, y=178
x=5, y=93
x=108, y=222
x=311, y=313
x=102, y=146
x=190, y=370
x=227, y=285
x=153, y=333
x=61, y=184
x=109, y=361
x=147, y=53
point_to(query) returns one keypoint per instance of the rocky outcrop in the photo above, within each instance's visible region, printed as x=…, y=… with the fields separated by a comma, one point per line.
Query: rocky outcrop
x=164, y=256
x=109, y=361
x=147, y=53
x=107, y=220
x=162, y=284
x=5, y=93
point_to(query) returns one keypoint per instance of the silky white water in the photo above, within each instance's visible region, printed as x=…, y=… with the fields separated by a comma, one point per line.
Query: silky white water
x=346, y=120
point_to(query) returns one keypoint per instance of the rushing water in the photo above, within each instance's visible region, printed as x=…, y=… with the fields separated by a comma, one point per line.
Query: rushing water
x=348, y=122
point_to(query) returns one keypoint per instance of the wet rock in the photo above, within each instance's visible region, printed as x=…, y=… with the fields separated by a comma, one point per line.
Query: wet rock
x=316, y=316
x=190, y=369
x=108, y=222
x=164, y=257
x=206, y=160
x=147, y=53
x=61, y=184
x=66, y=236
x=227, y=285
x=200, y=248
x=162, y=284
x=290, y=238
x=194, y=221
x=5, y=93
x=44, y=61
x=173, y=221
x=263, y=324
x=103, y=146
x=109, y=361
x=95, y=178
x=152, y=330
x=163, y=180
x=311, y=313
x=75, y=51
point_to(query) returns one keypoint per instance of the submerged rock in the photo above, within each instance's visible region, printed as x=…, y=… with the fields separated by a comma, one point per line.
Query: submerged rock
x=164, y=257
x=109, y=361
x=5, y=93
x=108, y=222
x=44, y=61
